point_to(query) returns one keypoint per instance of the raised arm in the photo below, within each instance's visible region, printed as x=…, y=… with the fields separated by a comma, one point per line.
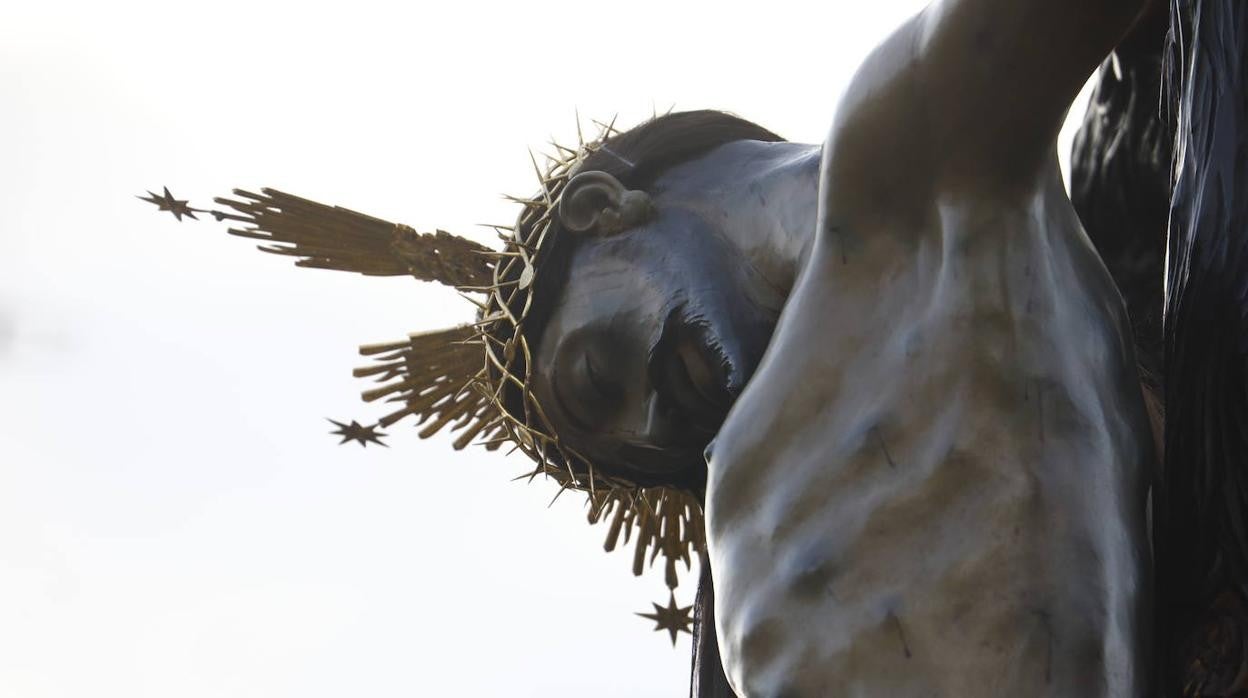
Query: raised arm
x=973, y=89
x=1000, y=74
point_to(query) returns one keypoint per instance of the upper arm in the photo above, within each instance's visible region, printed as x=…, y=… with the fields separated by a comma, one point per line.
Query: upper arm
x=998, y=76
x=971, y=88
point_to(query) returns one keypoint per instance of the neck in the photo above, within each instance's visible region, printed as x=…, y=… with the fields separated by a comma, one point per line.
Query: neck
x=763, y=197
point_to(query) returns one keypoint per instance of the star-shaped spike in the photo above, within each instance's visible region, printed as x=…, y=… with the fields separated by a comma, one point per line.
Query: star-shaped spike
x=178, y=207
x=671, y=618
x=358, y=432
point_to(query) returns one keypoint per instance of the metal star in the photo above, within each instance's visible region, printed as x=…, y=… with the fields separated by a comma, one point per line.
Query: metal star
x=358, y=432
x=673, y=618
x=178, y=207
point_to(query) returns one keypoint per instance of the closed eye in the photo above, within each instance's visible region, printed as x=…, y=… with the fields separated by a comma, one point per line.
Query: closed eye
x=605, y=388
x=585, y=394
x=562, y=399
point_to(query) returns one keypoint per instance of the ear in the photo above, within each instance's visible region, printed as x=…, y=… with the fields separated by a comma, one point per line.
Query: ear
x=595, y=202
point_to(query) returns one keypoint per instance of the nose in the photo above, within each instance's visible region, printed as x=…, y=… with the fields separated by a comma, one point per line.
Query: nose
x=654, y=415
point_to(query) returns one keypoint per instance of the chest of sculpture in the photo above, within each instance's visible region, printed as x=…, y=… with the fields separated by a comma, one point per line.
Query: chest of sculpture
x=935, y=490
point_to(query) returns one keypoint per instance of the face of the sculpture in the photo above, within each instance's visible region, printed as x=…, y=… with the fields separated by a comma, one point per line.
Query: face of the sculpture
x=653, y=334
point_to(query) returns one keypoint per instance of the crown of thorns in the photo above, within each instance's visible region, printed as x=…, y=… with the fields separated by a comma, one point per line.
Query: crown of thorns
x=474, y=379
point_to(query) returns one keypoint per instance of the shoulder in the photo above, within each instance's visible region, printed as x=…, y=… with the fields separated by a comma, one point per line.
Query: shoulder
x=953, y=101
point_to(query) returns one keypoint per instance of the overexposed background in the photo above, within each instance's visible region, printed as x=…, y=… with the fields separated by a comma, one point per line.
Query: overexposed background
x=174, y=518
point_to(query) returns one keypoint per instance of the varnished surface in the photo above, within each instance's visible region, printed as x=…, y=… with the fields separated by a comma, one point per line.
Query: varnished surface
x=950, y=498
x=936, y=482
x=1202, y=541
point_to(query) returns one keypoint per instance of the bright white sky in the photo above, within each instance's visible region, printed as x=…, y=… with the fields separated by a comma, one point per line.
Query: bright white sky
x=174, y=518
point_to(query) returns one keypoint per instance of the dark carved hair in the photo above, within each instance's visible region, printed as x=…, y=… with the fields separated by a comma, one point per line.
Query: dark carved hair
x=1200, y=504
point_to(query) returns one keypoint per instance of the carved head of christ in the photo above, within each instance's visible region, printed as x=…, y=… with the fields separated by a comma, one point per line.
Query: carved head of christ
x=675, y=248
